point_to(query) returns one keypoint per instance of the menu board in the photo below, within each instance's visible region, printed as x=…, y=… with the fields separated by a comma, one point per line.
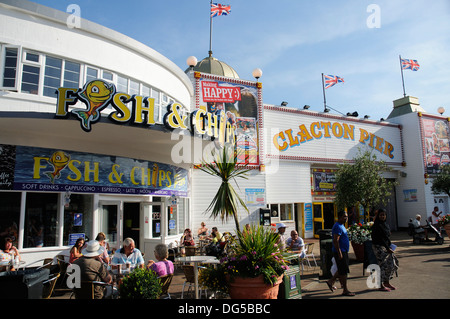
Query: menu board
x=7, y=165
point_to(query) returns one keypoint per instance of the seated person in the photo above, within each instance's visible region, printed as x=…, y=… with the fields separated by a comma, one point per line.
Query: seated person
x=296, y=244
x=202, y=231
x=420, y=229
x=128, y=254
x=93, y=269
x=187, y=239
x=75, y=251
x=216, y=236
x=8, y=252
x=163, y=266
x=101, y=238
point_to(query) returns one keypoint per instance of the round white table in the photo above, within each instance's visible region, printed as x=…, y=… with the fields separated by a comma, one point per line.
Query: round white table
x=198, y=260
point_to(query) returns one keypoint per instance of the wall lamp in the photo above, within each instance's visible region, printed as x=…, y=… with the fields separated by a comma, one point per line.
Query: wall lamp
x=355, y=114
x=366, y=117
x=191, y=61
x=306, y=107
x=284, y=103
x=326, y=110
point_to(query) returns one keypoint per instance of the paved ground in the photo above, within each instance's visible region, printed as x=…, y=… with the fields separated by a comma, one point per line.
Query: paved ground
x=424, y=273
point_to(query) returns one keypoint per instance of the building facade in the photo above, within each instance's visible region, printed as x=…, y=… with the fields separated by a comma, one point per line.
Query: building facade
x=83, y=145
x=100, y=133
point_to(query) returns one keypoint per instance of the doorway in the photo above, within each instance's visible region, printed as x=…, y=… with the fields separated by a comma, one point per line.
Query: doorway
x=324, y=216
x=131, y=222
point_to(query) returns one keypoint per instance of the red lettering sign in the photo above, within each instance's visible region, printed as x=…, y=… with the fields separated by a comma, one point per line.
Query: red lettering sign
x=212, y=92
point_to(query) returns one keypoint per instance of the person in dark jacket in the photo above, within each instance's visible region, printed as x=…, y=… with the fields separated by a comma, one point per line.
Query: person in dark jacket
x=383, y=250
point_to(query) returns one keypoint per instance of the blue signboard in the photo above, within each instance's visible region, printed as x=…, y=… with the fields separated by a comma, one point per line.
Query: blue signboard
x=73, y=238
x=308, y=217
x=41, y=169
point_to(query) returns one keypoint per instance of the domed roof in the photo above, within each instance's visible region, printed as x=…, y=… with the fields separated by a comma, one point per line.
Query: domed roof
x=213, y=66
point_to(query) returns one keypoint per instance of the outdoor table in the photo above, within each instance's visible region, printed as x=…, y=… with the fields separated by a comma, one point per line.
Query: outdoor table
x=6, y=265
x=198, y=260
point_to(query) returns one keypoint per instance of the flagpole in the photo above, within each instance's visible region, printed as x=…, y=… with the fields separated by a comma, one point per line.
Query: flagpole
x=403, y=81
x=324, y=99
x=210, y=30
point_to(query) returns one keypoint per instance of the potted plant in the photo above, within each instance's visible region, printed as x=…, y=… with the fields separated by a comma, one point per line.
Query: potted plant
x=226, y=201
x=253, y=268
x=444, y=221
x=358, y=234
x=141, y=283
x=215, y=279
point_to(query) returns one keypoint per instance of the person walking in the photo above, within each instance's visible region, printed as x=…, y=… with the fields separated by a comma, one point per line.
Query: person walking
x=341, y=245
x=382, y=248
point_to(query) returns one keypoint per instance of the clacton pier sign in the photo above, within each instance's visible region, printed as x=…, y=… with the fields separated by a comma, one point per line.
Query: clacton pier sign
x=298, y=134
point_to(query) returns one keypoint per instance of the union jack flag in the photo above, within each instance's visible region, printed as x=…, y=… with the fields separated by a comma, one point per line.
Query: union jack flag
x=331, y=80
x=219, y=10
x=408, y=64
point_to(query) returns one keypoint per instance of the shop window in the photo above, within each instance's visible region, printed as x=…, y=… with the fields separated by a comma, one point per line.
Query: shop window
x=91, y=74
x=10, y=63
x=108, y=76
x=134, y=88
x=122, y=84
x=182, y=206
x=59, y=72
x=156, y=221
x=52, y=76
x=41, y=215
x=145, y=90
x=10, y=215
x=31, y=71
x=155, y=96
x=71, y=75
x=172, y=218
x=286, y=212
x=32, y=57
x=30, y=79
x=108, y=223
x=78, y=218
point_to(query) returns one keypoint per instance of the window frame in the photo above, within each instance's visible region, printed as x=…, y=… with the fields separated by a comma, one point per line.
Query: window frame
x=161, y=98
x=18, y=79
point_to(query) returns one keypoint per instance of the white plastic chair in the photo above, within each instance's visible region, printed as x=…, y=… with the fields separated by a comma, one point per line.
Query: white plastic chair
x=309, y=254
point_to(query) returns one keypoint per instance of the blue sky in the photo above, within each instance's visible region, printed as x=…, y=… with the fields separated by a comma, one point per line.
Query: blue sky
x=295, y=41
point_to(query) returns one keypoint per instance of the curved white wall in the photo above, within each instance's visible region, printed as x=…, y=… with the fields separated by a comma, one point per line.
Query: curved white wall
x=43, y=29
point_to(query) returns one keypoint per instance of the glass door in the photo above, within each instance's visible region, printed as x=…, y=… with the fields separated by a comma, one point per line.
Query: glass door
x=110, y=223
x=317, y=218
x=152, y=220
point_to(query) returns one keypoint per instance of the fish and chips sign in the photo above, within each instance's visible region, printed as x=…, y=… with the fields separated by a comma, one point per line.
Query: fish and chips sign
x=140, y=110
x=54, y=170
x=227, y=113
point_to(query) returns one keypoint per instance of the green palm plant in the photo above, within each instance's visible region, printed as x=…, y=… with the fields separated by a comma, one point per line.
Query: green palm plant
x=226, y=201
